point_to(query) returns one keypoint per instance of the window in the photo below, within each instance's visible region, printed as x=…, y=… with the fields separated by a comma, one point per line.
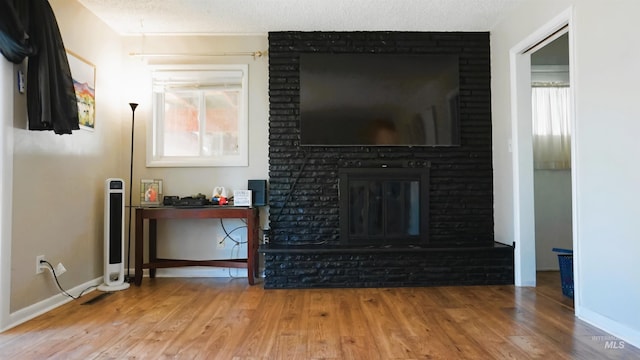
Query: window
x=551, y=132
x=200, y=116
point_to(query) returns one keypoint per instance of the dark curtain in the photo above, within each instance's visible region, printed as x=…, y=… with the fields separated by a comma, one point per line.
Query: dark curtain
x=51, y=99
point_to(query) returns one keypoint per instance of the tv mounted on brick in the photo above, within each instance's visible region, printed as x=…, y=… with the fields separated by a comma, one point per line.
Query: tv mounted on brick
x=379, y=99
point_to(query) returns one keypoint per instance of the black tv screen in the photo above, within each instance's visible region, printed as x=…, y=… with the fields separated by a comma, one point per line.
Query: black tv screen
x=379, y=99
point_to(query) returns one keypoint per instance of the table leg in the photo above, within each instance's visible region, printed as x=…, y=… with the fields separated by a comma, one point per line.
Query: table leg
x=251, y=225
x=139, y=247
x=256, y=256
x=153, y=249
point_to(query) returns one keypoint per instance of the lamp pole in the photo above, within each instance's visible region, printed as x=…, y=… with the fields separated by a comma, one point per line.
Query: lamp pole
x=133, y=125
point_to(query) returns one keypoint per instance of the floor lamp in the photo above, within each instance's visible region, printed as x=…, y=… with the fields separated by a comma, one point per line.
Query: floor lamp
x=133, y=125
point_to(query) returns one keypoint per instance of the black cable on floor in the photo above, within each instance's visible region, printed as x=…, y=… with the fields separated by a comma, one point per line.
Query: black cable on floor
x=55, y=277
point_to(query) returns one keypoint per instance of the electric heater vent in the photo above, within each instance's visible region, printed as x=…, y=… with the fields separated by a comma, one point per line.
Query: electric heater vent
x=115, y=228
x=114, y=278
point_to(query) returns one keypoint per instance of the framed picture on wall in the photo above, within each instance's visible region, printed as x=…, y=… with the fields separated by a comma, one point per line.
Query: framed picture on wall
x=84, y=84
x=150, y=192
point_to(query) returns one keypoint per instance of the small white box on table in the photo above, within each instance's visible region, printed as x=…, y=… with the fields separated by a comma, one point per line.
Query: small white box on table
x=242, y=197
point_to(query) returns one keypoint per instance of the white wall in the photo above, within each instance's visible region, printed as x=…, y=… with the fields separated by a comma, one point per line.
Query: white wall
x=553, y=215
x=58, y=181
x=606, y=175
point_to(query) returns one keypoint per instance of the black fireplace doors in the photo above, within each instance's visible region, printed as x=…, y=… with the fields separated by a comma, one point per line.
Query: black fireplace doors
x=384, y=206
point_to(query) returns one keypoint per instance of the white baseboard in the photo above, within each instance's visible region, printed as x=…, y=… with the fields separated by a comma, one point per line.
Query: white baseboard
x=198, y=272
x=46, y=305
x=620, y=331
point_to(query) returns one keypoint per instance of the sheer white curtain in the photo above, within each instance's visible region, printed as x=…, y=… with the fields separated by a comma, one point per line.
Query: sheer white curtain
x=551, y=133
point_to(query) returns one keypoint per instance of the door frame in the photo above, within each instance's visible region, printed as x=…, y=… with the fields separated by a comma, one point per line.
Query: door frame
x=6, y=187
x=522, y=153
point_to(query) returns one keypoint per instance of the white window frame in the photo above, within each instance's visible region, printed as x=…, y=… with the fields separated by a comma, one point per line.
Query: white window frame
x=197, y=76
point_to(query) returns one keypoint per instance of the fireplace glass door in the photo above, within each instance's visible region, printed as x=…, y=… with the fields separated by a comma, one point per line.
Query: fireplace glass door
x=383, y=206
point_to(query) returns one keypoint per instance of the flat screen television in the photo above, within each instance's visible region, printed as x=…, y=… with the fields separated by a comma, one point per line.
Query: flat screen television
x=379, y=99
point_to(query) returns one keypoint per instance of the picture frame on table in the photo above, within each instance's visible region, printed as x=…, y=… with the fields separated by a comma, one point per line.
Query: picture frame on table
x=150, y=191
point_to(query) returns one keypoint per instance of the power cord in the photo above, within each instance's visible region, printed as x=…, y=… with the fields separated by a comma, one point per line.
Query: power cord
x=55, y=277
x=236, y=245
x=227, y=234
x=293, y=186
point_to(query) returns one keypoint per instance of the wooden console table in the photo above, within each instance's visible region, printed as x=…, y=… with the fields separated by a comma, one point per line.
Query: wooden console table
x=152, y=214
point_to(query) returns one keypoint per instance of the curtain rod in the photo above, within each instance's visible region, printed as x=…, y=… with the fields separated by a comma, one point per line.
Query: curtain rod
x=550, y=84
x=255, y=54
x=553, y=36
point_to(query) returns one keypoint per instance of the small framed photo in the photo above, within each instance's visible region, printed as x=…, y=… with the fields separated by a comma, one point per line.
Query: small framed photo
x=150, y=192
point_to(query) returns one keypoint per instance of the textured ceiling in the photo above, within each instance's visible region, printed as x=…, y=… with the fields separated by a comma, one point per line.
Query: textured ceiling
x=262, y=16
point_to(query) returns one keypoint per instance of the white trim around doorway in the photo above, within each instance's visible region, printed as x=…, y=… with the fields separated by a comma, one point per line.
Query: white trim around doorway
x=522, y=155
x=6, y=187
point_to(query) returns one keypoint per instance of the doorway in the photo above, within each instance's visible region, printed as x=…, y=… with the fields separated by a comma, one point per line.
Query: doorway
x=522, y=151
x=550, y=81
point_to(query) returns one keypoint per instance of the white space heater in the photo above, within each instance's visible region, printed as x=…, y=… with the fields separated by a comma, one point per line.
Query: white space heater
x=114, y=236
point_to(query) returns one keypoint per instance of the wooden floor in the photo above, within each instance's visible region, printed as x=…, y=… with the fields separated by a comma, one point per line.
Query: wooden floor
x=180, y=318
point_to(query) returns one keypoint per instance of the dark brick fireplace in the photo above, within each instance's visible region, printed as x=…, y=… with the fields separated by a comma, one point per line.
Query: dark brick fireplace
x=454, y=240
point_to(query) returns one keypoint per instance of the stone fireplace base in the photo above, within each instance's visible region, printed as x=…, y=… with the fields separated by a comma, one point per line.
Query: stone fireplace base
x=385, y=266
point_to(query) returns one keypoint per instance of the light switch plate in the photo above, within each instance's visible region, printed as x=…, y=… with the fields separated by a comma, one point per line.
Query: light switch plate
x=21, y=81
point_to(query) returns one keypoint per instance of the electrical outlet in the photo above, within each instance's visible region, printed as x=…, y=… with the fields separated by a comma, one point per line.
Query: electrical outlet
x=40, y=266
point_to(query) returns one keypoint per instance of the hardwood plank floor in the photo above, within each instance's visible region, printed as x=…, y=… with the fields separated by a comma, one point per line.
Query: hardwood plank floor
x=187, y=318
